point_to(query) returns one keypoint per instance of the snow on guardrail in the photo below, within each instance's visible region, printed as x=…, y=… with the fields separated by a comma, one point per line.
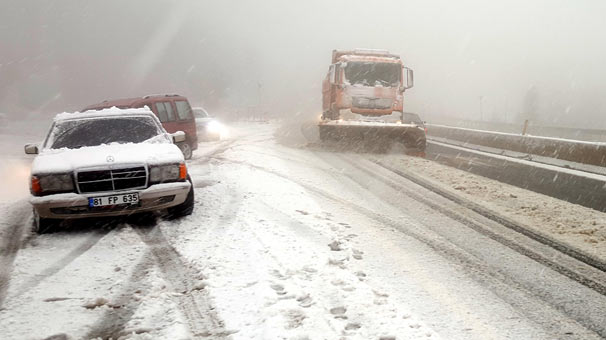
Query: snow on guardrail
x=593, y=153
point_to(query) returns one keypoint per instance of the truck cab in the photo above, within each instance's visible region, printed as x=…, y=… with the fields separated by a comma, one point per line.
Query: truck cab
x=364, y=82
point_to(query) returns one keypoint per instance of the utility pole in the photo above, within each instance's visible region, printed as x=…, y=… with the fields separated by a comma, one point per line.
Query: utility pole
x=481, y=112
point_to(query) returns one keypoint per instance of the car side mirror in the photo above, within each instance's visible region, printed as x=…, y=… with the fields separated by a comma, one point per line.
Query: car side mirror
x=178, y=137
x=31, y=149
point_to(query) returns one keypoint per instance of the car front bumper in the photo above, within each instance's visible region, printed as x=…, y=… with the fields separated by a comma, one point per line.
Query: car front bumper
x=72, y=205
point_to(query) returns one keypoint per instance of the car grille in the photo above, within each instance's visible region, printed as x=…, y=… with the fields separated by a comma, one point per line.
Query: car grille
x=372, y=103
x=112, y=179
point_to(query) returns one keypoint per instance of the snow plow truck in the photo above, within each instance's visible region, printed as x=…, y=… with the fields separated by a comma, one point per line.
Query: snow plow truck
x=362, y=101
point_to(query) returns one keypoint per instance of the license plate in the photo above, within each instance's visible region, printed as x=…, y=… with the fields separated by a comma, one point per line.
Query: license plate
x=113, y=200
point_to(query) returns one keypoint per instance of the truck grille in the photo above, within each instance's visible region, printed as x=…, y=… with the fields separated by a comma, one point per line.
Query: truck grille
x=112, y=179
x=372, y=103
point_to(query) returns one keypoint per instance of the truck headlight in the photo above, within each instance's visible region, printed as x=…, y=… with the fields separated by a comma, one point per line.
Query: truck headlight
x=52, y=183
x=167, y=173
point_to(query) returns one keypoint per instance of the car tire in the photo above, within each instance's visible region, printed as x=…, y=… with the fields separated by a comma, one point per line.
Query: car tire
x=45, y=225
x=184, y=209
x=186, y=149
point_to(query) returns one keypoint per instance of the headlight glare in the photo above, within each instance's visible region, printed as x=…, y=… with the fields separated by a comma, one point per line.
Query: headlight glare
x=214, y=127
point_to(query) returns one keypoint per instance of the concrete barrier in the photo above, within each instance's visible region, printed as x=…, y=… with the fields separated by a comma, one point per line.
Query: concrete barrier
x=593, y=153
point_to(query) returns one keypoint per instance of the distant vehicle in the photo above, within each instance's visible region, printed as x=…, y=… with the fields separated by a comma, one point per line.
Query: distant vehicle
x=209, y=129
x=173, y=111
x=110, y=162
x=363, y=100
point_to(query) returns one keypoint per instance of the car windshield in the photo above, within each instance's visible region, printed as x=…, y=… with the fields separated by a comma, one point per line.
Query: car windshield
x=74, y=134
x=200, y=113
x=373, y=74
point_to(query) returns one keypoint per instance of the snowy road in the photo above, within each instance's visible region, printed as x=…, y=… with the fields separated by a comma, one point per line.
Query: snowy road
x=293, y=241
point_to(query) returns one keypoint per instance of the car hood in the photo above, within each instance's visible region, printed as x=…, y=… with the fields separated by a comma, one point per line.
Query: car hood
x=105, y=156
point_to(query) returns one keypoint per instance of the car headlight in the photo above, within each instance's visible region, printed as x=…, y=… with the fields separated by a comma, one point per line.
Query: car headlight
x=52, y=183
x=167, y=173
x=214, y=127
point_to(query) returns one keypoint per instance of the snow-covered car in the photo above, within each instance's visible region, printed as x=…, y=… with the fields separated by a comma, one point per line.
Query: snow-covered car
x=209, y=129
x=110, y=162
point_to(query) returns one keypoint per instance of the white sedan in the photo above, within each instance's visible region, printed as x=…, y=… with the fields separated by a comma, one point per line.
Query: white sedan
x=108, y=163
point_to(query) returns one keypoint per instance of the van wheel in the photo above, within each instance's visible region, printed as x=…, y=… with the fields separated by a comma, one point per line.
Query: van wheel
x=184, y=209
x=45, y=225
x=186, y=150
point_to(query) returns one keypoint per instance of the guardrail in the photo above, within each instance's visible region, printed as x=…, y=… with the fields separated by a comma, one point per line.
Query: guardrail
x=593, y=153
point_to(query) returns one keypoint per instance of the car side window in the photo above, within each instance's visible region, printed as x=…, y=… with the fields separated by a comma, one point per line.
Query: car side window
x=161, y=112
x=183, y=109
x=169, y=111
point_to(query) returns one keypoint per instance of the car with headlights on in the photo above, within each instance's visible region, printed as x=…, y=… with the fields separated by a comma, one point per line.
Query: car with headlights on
x=111, y=162
x=209, y=128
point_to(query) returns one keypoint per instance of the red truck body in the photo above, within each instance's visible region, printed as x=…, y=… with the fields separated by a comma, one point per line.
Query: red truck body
x=367, y=82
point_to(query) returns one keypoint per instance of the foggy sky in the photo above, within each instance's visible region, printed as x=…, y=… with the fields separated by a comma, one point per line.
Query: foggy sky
x=467, y=55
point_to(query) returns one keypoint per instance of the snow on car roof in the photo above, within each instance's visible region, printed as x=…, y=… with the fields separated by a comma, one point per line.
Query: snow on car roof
x=112, y=111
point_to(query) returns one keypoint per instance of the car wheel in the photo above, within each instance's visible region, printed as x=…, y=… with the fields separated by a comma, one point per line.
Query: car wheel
x=186, y=150
x=185, y=208
x=45, y=225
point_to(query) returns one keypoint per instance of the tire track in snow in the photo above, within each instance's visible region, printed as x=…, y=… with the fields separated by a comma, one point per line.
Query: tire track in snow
x=193, y=299
x=585, y=276
x=13, y=229
x=223, y=147
x=62, y=262
x=544, y=239
x=112, y=325
x=511, y=291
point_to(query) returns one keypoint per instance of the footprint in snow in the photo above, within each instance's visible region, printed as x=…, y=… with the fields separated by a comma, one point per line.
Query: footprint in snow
x=278, y=288
x=380, y=294
x=357, y=254
x=339, y=262
x=352, y=326
x=294, y=318
x=339, y=312
x=302, y=212
x=305, y=301
x=309, y=269
x=335, y=246
x=337, y=282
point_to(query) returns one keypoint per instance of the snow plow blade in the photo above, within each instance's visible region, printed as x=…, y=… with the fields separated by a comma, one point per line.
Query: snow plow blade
x=373, y=136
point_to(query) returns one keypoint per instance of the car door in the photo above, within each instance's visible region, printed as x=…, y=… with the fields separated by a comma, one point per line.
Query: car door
x=185, y=120
x=166, y=113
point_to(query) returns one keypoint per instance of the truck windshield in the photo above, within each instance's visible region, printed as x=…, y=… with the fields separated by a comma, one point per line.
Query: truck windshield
x=75, y=134
x=373, y=74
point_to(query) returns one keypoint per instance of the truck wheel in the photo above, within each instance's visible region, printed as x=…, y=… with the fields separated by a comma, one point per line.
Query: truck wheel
x=45, y=225
x=186, y=150
x=185, y=208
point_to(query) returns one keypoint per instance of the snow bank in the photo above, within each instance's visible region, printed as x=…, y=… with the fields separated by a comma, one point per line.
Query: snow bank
x=581, y=228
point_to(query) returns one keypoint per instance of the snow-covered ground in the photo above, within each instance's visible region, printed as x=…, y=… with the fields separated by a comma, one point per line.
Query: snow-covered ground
x=290, y=240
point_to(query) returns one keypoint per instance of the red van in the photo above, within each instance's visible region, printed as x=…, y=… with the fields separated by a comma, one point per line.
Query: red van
x=173, y=111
